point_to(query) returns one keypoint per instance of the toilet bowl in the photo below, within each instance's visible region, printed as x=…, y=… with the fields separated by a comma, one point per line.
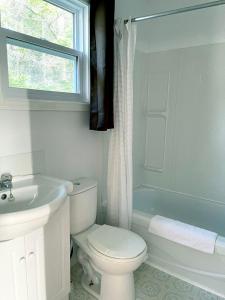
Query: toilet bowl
x=108, y=254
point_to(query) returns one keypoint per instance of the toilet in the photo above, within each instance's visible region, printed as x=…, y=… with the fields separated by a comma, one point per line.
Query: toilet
x=109, y=255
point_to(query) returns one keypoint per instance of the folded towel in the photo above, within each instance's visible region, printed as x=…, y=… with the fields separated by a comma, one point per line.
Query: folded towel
x=182, y=233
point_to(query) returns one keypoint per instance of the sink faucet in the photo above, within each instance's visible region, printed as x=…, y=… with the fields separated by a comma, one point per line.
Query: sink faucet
x=6, y=182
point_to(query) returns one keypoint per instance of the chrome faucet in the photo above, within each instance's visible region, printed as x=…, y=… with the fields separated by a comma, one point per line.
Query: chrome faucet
x=6, y=182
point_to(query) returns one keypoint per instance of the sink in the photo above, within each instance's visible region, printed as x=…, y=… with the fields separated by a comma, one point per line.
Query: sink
x=36, y=199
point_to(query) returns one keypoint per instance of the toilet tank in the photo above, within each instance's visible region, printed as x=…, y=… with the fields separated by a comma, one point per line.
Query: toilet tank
x=83, y=205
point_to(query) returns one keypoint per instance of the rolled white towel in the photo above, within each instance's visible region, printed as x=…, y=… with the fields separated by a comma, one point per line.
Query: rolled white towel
x=185, y=234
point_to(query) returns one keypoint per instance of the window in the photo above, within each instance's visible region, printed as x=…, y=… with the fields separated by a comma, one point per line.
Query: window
x=44, y=49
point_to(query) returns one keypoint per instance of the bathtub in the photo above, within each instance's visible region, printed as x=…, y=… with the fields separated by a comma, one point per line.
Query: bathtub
x=206, y=271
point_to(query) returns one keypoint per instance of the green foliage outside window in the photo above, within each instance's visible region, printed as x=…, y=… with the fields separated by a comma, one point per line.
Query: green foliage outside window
x=34, y=69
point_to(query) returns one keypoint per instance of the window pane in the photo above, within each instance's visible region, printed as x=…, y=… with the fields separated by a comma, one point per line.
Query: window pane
x=34, y=69
x=38, y=18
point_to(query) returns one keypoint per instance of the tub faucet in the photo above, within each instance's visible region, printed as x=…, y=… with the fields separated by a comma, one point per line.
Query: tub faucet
x=6, y=182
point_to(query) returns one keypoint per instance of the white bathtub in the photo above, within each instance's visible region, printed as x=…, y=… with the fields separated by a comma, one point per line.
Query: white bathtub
x=203, y=270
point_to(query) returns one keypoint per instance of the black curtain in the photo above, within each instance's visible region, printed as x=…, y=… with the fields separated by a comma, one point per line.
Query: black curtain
x=102, y=63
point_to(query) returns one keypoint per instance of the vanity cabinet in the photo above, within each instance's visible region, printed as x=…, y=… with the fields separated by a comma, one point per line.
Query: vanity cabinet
x=22, y=268
x=37, y=265
x=57, y=254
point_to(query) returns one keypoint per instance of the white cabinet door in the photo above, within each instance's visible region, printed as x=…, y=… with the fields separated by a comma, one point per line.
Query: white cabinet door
x=22, y=268
x=57, y=254
x=34, y=247
x=13, y=276
x=37, y=266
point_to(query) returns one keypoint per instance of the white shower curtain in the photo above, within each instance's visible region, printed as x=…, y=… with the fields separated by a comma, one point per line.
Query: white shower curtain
x=120, y=177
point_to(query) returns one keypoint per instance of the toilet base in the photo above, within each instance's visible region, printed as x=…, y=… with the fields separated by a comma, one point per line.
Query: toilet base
x=90, y=279
x=119, y=287
x=93, y=289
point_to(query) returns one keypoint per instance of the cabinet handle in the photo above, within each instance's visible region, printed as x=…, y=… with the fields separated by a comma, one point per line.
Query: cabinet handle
x=22, y=259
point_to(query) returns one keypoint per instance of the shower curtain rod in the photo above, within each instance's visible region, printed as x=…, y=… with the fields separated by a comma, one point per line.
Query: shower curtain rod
x=177, y=11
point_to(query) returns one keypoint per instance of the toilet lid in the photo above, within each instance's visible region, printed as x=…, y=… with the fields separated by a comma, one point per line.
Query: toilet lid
x=116, y=242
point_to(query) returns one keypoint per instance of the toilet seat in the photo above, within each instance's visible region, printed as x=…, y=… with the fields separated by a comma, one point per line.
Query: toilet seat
x=116, y=242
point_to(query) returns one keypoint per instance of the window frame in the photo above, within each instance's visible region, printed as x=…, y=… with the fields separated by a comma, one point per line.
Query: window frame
x=81, y=43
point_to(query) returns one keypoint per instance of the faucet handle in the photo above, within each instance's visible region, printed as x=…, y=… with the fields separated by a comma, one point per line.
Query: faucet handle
x=6, y=176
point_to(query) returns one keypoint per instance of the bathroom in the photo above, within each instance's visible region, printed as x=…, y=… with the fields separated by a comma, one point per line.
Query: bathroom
x=178, y=154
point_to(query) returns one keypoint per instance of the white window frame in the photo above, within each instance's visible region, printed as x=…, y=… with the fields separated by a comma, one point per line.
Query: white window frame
x=81, y=44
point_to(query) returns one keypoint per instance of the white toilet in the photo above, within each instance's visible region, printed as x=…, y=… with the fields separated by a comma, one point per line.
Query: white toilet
x=109, y=255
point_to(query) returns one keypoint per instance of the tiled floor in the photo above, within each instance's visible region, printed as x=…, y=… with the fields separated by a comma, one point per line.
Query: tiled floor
x=150, y=284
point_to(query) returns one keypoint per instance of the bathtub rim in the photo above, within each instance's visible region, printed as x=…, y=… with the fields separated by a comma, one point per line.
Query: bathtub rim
x=141, y=219
x=144, y=220
x=158, y=188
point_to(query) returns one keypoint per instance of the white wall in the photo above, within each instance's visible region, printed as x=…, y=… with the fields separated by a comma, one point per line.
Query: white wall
x=70, y=149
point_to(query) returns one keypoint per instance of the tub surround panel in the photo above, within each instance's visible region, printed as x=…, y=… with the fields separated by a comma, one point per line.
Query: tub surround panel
x=155, y=143
x=139, y=126
x=158, y=95
x=183, y=133
x=158, y=92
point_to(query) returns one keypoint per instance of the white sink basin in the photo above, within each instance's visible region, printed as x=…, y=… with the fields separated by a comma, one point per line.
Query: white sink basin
x=36, y=199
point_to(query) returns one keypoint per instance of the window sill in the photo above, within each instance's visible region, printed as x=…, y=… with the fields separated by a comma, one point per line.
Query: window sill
x=43, y=105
